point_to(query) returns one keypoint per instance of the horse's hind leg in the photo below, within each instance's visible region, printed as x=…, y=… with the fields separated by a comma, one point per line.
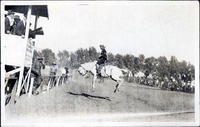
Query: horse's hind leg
x=118, y=85
x=116, y=88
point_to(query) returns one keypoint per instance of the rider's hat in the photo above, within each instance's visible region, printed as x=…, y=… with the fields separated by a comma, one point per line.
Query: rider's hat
x=102, y=46
x=10, y=12
x=16, y=17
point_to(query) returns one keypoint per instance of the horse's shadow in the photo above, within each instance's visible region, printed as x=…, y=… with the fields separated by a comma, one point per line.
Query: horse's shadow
x=89, y=96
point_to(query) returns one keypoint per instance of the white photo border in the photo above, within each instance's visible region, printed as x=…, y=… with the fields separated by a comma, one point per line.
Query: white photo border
x=197, y=103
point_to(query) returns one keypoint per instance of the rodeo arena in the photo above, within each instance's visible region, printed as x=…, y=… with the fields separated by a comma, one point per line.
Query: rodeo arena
x=105, y=92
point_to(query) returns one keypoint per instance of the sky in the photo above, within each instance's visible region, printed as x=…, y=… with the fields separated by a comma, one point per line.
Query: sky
x=150, y=28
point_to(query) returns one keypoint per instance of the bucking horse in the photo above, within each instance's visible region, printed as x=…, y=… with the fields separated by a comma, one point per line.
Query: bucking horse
x=108, y=71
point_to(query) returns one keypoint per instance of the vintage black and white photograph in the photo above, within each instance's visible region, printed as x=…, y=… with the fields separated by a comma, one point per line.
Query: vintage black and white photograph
x=99, y=63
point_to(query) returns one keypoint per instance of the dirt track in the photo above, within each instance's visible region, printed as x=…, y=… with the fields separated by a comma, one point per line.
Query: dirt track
x=76, y=98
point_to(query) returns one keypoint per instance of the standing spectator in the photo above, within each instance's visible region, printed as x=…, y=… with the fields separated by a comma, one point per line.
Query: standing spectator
x=16, y=21
x=9, y=20
x=21, y=27
x=66, y=70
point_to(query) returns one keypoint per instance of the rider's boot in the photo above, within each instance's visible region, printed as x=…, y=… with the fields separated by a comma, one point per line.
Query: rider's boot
x=98, y=71
x=98, y=74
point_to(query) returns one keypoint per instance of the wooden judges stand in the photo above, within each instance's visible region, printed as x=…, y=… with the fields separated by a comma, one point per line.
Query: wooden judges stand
x=18, y=51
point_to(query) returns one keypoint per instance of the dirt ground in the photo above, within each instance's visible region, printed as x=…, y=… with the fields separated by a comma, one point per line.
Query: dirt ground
x=75, y=101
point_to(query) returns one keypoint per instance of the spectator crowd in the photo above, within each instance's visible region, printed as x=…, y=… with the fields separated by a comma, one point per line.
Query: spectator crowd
x=14, y=25
x=17, y=26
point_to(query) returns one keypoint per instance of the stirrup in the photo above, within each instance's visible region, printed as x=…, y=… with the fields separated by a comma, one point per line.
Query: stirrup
x=98, y=74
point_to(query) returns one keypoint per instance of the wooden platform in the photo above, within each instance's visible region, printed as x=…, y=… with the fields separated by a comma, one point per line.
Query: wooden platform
x=14, y=48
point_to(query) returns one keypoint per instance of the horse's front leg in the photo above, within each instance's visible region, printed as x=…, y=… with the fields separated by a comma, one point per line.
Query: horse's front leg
x=93, y=83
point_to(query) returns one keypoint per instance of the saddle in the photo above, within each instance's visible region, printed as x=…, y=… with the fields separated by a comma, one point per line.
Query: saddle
x=98, y=69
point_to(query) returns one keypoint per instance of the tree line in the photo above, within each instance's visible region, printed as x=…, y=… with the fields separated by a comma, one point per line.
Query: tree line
x=160, y=66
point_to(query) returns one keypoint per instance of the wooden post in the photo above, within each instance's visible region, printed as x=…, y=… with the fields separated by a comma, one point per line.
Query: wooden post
x=25, y=79
x=3, y=96
x=48, y=85
x=30, y=69
x=6, y=81
x=36, y=19
x=31, y=87
x=12, y=72
x=27, y=23
x=28, y=81
x=54, y=81
x=26, y=39
x=3, y=82
x=20, y=81
x=63, y=79
x=57, y=83
x=29, y=73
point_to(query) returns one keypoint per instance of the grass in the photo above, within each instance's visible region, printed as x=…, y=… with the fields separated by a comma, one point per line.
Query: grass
x=76, y=97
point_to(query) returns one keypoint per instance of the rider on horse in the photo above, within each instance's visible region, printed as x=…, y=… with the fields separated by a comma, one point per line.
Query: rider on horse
x=101, y=61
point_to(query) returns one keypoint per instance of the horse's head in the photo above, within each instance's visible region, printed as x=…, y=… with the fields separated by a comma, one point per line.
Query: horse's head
x=87, y=68
x=82, y=71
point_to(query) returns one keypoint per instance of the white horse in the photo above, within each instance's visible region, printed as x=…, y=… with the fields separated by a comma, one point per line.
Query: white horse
x=108, y=71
